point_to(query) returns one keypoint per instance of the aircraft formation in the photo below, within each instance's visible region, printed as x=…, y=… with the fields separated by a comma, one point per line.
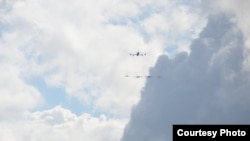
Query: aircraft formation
x=140, y=76
x=138, y=53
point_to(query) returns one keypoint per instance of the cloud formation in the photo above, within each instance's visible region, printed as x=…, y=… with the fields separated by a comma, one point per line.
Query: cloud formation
x=82, y=47
x=207, y=86
x=239, y=9
x=61, y=124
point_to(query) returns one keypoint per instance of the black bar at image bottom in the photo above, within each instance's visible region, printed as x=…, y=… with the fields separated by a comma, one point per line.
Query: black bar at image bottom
x=211, y=132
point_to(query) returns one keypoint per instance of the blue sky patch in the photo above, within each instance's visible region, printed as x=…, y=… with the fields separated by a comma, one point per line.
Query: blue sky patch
x=54, y=96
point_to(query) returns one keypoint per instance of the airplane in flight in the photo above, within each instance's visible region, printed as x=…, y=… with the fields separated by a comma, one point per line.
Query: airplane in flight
x=147, y=76
x=138, y=54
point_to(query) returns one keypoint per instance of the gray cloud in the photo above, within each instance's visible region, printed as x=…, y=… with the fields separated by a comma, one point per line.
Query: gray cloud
x=206, y=86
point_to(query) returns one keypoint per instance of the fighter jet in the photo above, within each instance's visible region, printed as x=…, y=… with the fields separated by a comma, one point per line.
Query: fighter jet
x=138, y=54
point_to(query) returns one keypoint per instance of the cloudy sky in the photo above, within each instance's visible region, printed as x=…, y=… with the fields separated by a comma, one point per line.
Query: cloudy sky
x=63, y=65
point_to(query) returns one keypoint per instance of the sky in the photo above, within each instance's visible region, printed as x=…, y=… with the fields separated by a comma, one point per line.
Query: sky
x=63, y=66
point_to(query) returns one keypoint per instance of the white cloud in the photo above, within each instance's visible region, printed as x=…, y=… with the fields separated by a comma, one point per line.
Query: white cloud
x=175, y=26
x=60, y=124
x=72, y=47
x=157, y=23
x=16, y=95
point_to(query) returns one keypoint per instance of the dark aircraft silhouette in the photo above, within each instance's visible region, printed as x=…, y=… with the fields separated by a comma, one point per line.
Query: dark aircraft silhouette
x=138, y=54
